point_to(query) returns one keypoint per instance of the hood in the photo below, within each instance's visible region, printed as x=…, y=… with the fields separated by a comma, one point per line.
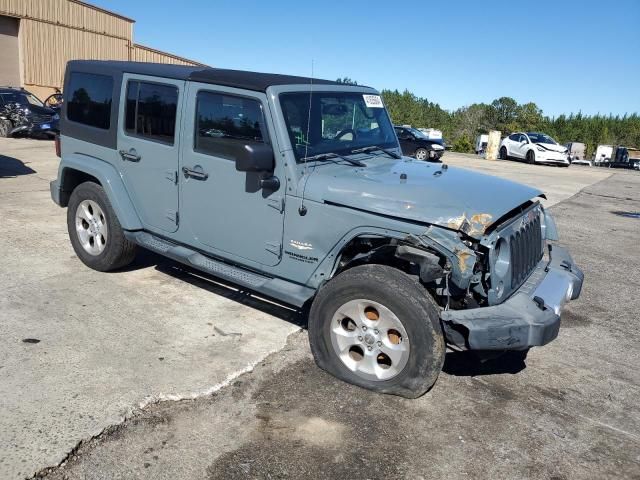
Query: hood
x=552, y=146
x=40, y=110
x=453, y=197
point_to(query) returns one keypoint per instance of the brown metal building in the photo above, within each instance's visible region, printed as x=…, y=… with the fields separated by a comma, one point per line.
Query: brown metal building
x=38, y=37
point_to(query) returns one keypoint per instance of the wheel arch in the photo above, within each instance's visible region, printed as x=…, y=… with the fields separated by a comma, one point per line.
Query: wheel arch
x=348, y=253
x=77, y=169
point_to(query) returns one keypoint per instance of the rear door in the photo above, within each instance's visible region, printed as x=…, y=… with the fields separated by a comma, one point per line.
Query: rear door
x=149, y=147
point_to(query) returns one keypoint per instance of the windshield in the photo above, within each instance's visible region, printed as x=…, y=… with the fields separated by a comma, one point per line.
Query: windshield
x=418, y=133
x=22, y=98
x=338, y=122
x=541, y=138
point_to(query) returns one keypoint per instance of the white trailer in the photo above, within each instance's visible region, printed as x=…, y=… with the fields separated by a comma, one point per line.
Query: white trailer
x=481, y=143
x=603, y=154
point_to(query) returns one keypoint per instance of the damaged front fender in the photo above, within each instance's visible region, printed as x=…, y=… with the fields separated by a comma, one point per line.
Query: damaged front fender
x=461, y=258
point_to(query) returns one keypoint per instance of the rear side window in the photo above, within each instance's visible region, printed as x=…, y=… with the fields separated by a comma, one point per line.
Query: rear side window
x=226, y=122
x=515, y=137
x=150, y=111
x=89, y=100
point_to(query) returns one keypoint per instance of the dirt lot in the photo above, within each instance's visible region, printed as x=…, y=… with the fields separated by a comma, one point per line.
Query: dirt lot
x=569, y=411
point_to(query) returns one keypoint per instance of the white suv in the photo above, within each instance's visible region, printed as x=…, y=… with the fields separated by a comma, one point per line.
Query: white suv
x=534, y=148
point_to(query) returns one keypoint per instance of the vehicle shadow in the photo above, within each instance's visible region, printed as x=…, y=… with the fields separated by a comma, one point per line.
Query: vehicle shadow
x=465, y=363
x=11, y=167
x=474, y=363
x=146, y=258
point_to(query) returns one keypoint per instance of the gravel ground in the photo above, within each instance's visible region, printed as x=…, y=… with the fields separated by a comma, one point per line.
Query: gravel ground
x=569, y=411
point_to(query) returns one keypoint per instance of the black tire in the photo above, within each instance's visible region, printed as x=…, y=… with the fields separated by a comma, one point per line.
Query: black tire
x=531, y=157
x=5, y=128
x=503, y=153
x=422, y=152
x=118, y=251
x=412, y=305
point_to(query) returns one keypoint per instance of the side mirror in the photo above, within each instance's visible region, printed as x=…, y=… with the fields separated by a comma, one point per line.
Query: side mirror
x=255, y=157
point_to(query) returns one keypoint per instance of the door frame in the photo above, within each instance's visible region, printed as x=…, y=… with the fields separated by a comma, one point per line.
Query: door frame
x=176, y=147
x=187, y=148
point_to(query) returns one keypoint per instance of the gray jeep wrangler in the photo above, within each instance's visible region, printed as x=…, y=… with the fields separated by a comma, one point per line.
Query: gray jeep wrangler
x=296, y=189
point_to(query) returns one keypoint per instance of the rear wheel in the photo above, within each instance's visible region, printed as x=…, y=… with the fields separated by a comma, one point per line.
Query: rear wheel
x=94, y=230
x=422, y=154
x=503, y=153
x=531, y=157
x=378, y=328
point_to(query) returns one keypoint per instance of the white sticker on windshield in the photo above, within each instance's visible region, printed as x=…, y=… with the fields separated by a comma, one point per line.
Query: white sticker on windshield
x=373, y=101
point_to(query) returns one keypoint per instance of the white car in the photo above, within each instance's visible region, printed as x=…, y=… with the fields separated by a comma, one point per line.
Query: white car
x=534, y=147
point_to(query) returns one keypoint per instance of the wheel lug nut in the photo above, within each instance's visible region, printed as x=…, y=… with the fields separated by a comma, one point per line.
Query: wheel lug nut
x=360, y=338
x=369, y=348
x=364, y=327
x=376, y=331
x=379, y=344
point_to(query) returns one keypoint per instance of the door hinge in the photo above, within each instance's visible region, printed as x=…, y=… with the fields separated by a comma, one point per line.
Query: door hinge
x=171, y=175
x=173, y=216
x=276, y=202
x=274, y=247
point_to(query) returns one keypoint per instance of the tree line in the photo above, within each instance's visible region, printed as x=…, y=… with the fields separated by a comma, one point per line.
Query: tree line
x=460, y=127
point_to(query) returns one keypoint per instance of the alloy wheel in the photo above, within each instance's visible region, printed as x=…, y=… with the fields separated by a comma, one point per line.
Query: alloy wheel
x=91, y=227
x=421, y=154
x=369, y=339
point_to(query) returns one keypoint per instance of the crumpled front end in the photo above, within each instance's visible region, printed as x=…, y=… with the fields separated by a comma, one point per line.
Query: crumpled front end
x=530, y=317
x=518, y=285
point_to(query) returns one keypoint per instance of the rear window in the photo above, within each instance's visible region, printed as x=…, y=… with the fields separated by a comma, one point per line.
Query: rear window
x=151, y=111
x=89, y=100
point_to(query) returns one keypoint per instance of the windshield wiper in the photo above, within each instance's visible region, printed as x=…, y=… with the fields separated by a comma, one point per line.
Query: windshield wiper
x=374, y=148
x=333, y=156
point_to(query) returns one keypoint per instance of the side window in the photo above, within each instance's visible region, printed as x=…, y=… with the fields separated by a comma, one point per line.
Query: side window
x=514, y=137
x=150, y=111
x=89, y=99
x=225, y=123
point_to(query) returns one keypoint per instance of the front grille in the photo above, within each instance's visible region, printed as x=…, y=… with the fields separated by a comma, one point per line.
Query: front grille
x=526, y=250
x=37, y=119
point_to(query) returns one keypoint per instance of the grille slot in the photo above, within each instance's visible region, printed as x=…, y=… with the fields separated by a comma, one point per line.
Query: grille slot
x=526, y=251
x=38, y=118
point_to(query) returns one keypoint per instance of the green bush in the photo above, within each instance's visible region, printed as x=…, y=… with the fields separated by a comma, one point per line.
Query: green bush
x=462, y=144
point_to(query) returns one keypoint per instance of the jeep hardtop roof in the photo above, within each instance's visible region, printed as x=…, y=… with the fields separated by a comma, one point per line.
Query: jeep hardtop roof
x=255, y=81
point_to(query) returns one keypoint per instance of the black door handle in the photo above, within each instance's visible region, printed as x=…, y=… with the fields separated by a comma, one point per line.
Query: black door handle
x=195, y=172
x=131, y=155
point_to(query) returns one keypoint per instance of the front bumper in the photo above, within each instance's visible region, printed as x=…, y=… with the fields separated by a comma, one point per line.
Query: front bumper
x=552, y=157
x=530, y=317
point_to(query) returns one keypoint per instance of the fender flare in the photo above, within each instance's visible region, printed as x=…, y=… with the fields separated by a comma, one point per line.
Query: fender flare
x=327, y=266
x=111, y=182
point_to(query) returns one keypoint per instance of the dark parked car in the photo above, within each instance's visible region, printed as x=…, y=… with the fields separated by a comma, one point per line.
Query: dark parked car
x=414, y=143
x=21, y=112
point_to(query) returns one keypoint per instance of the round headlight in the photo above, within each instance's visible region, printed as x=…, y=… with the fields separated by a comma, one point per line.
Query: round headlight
x=503, y=258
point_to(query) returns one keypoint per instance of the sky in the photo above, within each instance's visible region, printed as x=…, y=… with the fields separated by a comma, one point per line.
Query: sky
x=564, y=55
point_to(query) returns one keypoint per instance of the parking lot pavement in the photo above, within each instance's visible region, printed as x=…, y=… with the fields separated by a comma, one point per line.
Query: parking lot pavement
x=80, y=350
x=107, y=343
x=558, y=183
x=569, y=411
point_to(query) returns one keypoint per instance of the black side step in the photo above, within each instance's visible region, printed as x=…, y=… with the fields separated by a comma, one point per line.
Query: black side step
x=283, y=290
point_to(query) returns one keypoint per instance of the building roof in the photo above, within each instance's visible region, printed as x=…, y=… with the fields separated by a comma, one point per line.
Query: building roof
x=103, y=10
x=230, y=78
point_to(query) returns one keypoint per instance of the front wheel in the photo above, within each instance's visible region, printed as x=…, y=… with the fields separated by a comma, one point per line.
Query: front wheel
x=378, y=328
x=94, y=230
x=5, y=128
x=503, y=153
x=531, y=157
x=422, y=154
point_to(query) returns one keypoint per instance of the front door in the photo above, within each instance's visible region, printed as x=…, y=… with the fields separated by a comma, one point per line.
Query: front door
x=150, y=113
x=226, y=211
